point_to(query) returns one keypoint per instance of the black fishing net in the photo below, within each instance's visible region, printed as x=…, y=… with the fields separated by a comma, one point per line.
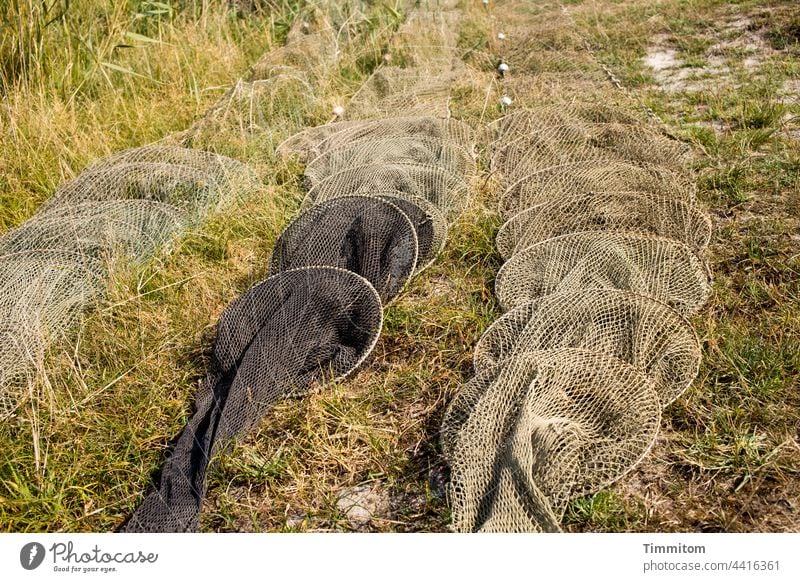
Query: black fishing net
x=384, y=192
x=296, y=328
x=366, y=235
x=428, y=221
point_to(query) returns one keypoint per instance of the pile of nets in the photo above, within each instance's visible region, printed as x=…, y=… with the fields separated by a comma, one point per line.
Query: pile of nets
x=381, y=196
x=604, y=244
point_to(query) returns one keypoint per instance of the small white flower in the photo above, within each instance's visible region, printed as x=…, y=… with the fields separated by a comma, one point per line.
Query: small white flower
x=306, y=25
x=485, y=2
x=501, y=36
x=387, y=58
x=503, y=68
x=338, y=111
x=506, y=100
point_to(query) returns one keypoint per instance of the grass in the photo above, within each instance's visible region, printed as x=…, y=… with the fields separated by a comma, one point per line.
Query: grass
x=89, y=78
x=83, y=451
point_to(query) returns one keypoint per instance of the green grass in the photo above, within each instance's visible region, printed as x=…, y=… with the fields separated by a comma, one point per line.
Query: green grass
x=82, y=452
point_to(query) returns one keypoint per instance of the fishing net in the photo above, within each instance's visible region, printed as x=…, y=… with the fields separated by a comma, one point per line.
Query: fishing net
x=105, y=229
x=383, y=193
x=188, y=188
x=605, y=246
x=633, y=328
x=427, y=38
x=409, y=150
x=310, y=53
x=559, y=61
x=42, y=294
x=429, y=223
x=121, y=208
x=403, y=92
x=366, y=235
x=591, y=176
x=519, y=42
x=664, y=269
x=521, y=123
x=234, y=177
x=599, y=142
x=562, y=89
x=540, y=428
x=277, y=104
x=316, y=141
x=447, y=191
x=641, y=212
x=295, y=329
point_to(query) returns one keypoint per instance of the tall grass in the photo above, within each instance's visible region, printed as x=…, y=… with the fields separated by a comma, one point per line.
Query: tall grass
x=79, y=79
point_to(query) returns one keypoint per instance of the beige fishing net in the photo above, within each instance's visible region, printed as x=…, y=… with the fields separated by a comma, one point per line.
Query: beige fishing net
x=634, y=328
x=662, y=268
x=605, y=246
x=575, y=142
x=590, y=176
x=538, y=429
x=286, y=88
x=406, y=92
x=310, y=53
x=405, y=149
x=42, y=295
x=316, y=141
x=522, y=122
x=641, y=212
x=121, y=208
x=278, y=104
x=448, y=192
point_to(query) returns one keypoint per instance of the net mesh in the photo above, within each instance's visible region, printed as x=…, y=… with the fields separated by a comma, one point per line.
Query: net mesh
x=277, y=104
x=311, y=53
x=429, y=222
x=522, y=123
x=561, y=144
x=405, y=149
x=590, y=176
x=297, y=328
x=396, y=91
x=664, y=269
x=448, y=192
x=633, y=328
x=605, y=248
x=121, y=208
x=529, y=434
x=641, y=212
x=42, y=294
x=316, y=141
x=383, y=194
x=365, y=235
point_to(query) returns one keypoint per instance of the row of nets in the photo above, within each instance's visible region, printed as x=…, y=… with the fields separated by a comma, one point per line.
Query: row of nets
x=604, y=246
x=381, y=195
